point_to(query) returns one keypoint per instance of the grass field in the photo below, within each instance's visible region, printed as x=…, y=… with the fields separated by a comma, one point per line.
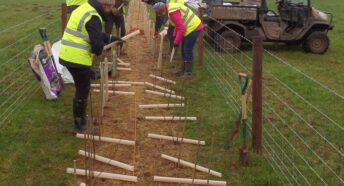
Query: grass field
x=35, y=148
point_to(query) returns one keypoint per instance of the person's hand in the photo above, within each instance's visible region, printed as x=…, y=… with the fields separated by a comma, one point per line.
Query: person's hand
x=114, y=11
x=176, y=46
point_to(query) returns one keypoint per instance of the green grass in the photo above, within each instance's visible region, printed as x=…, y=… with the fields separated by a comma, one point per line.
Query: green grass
x=217, y=118
x=35, y=148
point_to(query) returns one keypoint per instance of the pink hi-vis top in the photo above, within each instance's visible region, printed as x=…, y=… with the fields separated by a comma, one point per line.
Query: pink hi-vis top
x=180, y=29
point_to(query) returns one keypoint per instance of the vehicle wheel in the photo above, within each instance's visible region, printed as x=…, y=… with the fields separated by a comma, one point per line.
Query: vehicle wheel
x=228, y=41
x=317, y=43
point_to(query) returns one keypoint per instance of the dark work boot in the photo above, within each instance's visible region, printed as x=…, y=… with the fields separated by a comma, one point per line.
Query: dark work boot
x=181, y=69
x=79, y=113
x=187, y=71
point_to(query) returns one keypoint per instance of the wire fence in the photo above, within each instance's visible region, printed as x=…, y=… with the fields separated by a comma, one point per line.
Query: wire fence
x=302, y=127
x=17, y=83
x=302, y=136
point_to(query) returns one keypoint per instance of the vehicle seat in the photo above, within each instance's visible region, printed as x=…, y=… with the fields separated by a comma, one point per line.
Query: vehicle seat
x=257, y=3
x=272, y=18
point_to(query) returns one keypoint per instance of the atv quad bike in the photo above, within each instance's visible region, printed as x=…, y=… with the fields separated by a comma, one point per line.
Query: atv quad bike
x=296, y=23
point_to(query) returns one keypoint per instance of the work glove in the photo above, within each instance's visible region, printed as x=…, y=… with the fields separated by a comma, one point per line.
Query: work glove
x=115, y=38
x=155, y=35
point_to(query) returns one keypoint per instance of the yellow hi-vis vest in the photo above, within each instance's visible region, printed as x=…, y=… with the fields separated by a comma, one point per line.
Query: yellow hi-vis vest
x=75, y=44
x=75, y=2
x=175, y=1
x=191, y=20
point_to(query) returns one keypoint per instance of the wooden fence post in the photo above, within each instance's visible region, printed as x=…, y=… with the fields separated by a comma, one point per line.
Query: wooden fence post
x=63, y=17
x=257, y=69
x=200, y=39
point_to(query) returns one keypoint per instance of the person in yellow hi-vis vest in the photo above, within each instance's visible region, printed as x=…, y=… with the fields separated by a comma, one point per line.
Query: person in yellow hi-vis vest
x=82, y=37
x=187, y=28
x=73, y=4
x=175, y=1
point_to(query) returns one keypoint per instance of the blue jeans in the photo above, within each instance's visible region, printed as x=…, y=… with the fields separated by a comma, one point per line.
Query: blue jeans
x=188, y=45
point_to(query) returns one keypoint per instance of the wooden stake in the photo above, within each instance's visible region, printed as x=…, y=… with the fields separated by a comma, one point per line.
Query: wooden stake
x=102, y=90
x=169, y=118
x=160, y=88
x=257, y=94
x=123, y=69
x=162, y=35
x=137, y=32
x=64, y=17
x=176, y=139
x=191, y=165
x=106, y=139
x=107, y=160
x=128, y=82
x=122, y=62
x=188, y=181
x=161, y=106
x=116, y=92
x=162, y=79
x=105, y=175
x=112, y=85
x=164, y=94
x=106, y=79
x=114, y=62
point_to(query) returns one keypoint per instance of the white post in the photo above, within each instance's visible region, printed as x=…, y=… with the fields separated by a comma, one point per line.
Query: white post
x=123, y=69
x=116, y=92
x=128, y=82
x=161, y=106
x=162, y=35
x=160, y=88
x=164, y=94
x=111, y=85
x=191, y=165
x=106, y=160
x=106, y=139
x=176, y=139
x=162, y=79
x=188, y=181
x=105, y=175
x=170, y=118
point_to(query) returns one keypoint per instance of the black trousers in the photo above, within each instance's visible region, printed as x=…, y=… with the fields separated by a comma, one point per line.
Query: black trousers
x=82, y=81
x=119, y=22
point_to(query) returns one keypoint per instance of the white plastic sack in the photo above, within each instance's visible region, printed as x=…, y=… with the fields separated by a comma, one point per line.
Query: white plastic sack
x=66, y=76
